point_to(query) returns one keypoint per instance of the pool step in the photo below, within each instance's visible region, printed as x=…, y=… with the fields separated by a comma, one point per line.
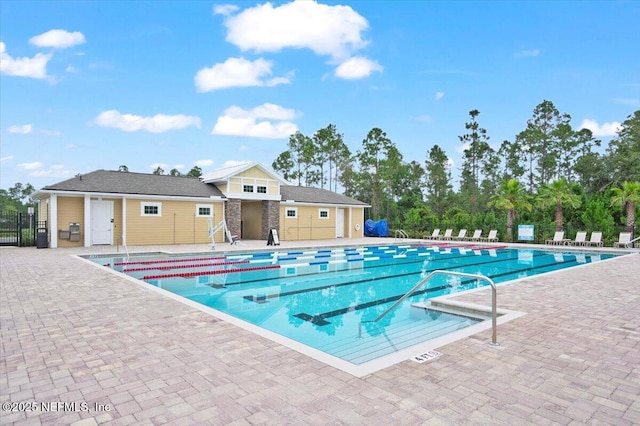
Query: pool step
x=401, y=335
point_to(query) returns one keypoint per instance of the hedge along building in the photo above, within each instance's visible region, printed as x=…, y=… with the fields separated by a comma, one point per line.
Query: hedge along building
x=114, y=208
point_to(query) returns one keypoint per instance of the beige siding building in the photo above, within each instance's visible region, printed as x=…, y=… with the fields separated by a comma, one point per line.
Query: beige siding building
x=123, y=208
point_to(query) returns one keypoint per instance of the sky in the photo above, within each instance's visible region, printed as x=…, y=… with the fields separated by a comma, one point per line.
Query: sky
x=178, y=84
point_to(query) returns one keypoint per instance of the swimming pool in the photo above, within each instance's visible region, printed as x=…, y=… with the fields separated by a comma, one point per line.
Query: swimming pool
x=320, y=297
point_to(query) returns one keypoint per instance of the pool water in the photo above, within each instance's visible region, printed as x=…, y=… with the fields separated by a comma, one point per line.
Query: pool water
x=320, y=297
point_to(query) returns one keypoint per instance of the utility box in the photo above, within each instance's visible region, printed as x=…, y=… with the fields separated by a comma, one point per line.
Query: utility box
x=63, y=234
x=42, y=238
x=74, y=231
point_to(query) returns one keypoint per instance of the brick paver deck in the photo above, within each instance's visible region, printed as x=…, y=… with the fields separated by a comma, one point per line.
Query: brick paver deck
x=72, y=333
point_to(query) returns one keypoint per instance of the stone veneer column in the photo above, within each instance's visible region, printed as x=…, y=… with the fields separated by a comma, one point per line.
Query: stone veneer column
x=233, y=216
x=270, y=217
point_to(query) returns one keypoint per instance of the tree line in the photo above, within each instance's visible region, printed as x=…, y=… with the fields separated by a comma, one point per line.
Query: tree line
x=549, y=174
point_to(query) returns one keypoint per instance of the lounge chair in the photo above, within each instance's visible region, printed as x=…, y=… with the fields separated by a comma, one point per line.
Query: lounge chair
x=461, y=235
x=623, y=239
x=447, y=234
x=595, y=240
x=434, y=235
x=581, y=239
x=558, y=238
x=492, y=237
x=477, y=235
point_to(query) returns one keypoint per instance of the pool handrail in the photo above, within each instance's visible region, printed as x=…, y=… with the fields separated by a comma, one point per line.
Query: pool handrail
x=494, y=300
x=401, y=234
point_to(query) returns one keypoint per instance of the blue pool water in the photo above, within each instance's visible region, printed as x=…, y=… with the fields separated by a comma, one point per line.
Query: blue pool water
x=319, y=297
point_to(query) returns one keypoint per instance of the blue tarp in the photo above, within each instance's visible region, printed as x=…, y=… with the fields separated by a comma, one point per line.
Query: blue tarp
x=376, y=229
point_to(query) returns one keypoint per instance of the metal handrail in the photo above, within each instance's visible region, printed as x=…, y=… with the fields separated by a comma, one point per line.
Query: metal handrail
x=630, y=243
x=401, y=233
x=494, y=301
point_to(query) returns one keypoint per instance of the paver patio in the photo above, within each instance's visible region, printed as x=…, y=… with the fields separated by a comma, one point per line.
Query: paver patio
x=72, y=332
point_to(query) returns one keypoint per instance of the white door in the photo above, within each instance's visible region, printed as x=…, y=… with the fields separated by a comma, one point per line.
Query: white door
x=101, y=226
x=340, y=224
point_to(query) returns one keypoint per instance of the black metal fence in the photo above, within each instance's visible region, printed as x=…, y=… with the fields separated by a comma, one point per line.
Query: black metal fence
x=22, y=229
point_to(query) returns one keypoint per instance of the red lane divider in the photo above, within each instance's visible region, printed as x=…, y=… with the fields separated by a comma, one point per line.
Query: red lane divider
x=148, y=262
x=190, y=265
x=220, y=271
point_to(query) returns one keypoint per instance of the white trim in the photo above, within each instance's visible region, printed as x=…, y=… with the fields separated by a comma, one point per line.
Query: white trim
x=286, y=210
x=124, y=222
x=252, y=196
x=143, y=204
x=119, y=195
x=204, y=206
x=322, y=209
x=87, y=220
x=328, y=205
x=53, y=219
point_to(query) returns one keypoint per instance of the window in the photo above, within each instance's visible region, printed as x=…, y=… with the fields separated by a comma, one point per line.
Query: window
x=262, y=189
x=204, y=210
x=291, y=213
x=323, y=213
x=151, y=209
x=247, y=188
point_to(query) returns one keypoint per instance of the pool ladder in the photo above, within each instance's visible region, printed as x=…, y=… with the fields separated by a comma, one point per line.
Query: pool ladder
x=494, y=301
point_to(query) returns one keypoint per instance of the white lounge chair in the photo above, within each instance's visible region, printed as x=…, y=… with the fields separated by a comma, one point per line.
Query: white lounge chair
x=447, y=234
x=461, y=235
x=558, y=238
x=477, y=235
x=492, y=237
x=595, y=240
x=581, y=239
x=434, y=235
x=623, y=239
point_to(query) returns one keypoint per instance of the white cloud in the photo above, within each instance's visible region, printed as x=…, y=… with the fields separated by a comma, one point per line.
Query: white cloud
x=255, y=122
x=425, y=118
x=604, y=130
x=21, y=130
x=224, y=9
x=531, y=53
x=31, y=166
x=243, y=148
x=233, y=163
x=439, y=95
x=35, y=67
x=157, y=124
x=334, y=31
x=203, y=163
x=58, y=39
x=51, y=132
x=5, y=159
x=237, y=72
x=357, y=67
x=56, y=171
x=627, y=101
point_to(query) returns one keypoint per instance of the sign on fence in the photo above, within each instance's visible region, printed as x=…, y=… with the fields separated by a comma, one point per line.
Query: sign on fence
x=525, y=232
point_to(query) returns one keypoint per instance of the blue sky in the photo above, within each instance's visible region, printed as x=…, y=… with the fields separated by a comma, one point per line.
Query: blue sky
x=96, y=85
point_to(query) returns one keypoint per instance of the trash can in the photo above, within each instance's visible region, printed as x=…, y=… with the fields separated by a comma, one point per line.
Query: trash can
x=42, y=238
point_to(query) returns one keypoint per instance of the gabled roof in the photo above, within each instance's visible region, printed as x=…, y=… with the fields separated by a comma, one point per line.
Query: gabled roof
x=114, y=182
x=303, y=194
x=223, y=174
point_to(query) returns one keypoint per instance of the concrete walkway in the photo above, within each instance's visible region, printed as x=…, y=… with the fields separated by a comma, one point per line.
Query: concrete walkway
x=83, y=346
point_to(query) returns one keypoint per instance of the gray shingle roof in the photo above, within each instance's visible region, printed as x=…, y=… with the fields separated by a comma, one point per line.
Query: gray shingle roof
x=114, y=182
x=303, y=194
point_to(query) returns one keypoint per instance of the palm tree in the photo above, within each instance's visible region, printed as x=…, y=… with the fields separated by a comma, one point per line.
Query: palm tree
x=558, y=193
x=627, y=196
x=511, y=197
